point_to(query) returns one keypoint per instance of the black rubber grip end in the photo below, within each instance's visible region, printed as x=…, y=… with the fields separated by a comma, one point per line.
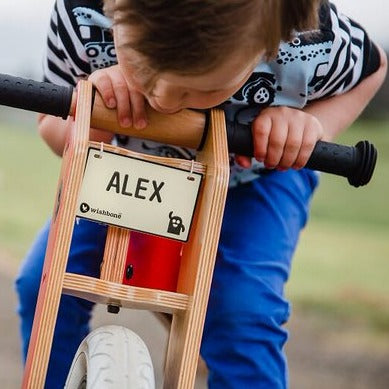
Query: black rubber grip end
x=356, y=163
x=35, y=96
x=367, y=159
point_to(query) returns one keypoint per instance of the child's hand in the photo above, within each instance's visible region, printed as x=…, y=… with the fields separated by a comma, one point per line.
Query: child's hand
x=283, y=138
x=115, y=93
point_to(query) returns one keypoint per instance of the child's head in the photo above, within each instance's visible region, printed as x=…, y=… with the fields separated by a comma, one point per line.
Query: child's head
x=199, y=52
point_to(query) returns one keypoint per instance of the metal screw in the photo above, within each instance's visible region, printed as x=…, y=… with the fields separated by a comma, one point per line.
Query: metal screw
x=129, y=272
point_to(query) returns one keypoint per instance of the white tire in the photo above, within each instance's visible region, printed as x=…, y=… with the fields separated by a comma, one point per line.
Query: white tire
x=111, y=357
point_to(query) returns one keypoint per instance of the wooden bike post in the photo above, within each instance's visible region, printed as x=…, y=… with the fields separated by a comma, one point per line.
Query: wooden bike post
x=58, y=245
x=198, y=260
x=187, y=304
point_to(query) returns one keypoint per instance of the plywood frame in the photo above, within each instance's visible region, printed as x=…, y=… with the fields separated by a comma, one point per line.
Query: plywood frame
x=187, y=305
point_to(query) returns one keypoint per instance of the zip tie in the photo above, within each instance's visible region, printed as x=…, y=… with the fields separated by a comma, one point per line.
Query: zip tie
x=190, y=177
x=100, y=154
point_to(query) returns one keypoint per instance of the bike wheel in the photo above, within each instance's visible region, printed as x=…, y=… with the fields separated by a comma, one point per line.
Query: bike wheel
x=111, y=357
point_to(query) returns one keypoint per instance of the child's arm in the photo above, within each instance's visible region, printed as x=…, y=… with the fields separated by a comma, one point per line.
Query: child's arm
x=338, y=112
x=112, y=87
x=285, y=137
x=55, y=132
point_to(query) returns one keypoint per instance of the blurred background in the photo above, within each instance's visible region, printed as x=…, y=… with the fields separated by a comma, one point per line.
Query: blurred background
x=339, y=288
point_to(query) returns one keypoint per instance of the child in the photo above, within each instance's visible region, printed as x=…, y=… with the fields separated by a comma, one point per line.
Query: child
x=299, y=71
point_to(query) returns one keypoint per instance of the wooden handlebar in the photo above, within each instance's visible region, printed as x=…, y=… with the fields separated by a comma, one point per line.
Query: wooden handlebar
x=184, y=128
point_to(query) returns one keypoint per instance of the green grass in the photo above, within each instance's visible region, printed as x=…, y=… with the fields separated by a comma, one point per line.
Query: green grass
x=342, y=263
x=28, y=175
x=339, y=202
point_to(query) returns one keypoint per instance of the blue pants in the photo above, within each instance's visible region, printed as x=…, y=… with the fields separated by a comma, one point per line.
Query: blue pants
x=243, y=335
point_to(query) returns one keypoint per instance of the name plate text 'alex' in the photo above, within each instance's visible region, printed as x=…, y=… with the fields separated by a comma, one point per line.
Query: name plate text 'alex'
x=140, y=195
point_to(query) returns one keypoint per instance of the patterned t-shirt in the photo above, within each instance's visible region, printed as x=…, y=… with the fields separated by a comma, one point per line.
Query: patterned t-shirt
x=314, y=65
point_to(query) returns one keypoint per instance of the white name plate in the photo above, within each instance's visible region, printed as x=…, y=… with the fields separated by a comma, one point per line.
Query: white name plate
x=140, y=195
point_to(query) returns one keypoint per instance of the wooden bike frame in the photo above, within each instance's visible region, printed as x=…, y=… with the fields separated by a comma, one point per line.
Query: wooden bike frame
x=187, y=305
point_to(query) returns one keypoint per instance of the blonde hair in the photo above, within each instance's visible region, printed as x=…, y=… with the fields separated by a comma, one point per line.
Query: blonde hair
x=188, y=36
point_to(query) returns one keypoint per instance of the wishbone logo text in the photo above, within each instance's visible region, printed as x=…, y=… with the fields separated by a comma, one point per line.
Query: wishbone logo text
x=85, y=208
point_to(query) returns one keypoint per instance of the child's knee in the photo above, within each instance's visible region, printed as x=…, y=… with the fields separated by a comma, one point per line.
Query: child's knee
x=244, y=336
x=27, y=288
x=28, y=280
x=251, y=303
x=255, y=314
x=248, y=290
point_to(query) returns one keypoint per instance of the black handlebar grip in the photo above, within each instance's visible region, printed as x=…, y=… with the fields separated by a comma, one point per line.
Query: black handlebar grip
x=357, y=162
x=35, y=96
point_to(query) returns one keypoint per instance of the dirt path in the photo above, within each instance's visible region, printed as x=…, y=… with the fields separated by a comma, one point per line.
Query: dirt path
x=10, y=365
x=335, y=355
x=320, y=357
